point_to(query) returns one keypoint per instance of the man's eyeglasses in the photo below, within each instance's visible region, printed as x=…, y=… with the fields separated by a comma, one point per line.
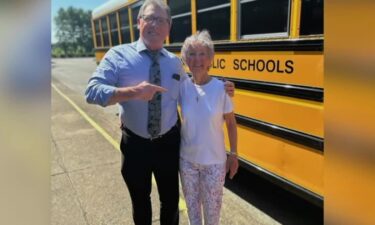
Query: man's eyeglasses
x=158, y=20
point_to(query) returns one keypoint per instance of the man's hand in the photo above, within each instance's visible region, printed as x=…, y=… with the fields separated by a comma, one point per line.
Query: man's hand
x=229, y=88
x=146, y=91
x=143, y=91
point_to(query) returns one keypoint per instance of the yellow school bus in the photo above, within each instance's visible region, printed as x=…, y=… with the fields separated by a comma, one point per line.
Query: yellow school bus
x=273, y=51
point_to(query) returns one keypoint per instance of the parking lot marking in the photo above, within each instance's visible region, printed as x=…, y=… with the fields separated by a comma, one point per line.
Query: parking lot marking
x=113, y=142
x=88, y=118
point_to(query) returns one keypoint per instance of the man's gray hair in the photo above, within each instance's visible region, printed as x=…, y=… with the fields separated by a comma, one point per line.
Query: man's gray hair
x=202, y=37
x=157, y=3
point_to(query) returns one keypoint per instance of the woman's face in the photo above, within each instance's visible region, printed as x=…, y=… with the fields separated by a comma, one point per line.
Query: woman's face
x=198, y=59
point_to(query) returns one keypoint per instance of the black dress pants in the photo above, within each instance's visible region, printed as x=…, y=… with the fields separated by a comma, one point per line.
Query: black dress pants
x=141, y=158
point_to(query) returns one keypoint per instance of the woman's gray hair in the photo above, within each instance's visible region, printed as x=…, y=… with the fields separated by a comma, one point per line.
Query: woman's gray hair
x=158, y=3
x=202, y=37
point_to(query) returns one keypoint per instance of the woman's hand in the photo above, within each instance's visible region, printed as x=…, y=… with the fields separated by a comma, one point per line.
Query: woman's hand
x=232, y=165
x=229, y=88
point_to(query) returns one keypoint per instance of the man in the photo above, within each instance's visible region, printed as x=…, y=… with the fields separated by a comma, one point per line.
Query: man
x=144, y=79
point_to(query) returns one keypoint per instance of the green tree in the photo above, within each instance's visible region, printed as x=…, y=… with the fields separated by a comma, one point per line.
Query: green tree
x=73, y=30
x=57, y=52
x=80, y=51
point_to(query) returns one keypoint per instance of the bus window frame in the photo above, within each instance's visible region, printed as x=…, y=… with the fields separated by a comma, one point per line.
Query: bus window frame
x=100, y=44
x=114, y=15
x=212, y=8
x=120, y=25
x=135, y=25
x=182, y=15
x=109, y=30
x=105, y=32
x=113, y=30
x=263, y=35
x=313, y=34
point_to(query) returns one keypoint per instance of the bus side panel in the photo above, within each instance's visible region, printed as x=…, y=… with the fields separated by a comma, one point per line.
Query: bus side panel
x=296, y=114
x=294, y=68
x=99, y=54
x=291, y=161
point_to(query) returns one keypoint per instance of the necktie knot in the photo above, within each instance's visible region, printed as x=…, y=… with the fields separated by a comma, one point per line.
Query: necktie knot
x=154, y=55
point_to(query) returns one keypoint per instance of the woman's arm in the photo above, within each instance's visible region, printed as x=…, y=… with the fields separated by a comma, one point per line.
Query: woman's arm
x=232, y=161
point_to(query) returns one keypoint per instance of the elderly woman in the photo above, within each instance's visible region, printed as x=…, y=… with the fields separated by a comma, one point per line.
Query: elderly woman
x=205, y=107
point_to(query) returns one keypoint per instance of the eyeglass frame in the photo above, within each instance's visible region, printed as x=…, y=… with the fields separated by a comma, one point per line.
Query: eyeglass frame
x=158, y=20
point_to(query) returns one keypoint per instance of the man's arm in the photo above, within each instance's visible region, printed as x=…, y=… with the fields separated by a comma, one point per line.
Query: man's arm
x=105, y=95
x=102, y=88
x=102, y=84
x=143, y=91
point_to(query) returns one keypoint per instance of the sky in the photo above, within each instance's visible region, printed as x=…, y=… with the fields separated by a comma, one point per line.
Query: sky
x=83, y=4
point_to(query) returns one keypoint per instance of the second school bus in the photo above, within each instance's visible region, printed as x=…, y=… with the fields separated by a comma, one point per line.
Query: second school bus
x=273, y=51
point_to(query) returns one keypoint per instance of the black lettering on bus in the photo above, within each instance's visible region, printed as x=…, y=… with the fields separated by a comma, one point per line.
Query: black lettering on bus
x=262, y=68
x=222, y=63
x=278, y=67
x=289, y=65
x=270, y=62
x=219, y=63
x=251, y=63
x=243, y=61
x=236, y=66
x=214, y=64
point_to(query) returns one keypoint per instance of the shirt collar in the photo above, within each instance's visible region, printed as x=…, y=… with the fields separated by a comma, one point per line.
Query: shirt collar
x=142, y=47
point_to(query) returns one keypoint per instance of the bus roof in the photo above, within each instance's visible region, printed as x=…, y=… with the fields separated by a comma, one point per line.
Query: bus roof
x=108, y=7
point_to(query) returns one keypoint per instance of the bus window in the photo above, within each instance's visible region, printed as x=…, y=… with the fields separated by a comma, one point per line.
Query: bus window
x=202, y=4
x=181, y=20
x=135, y=11
x=311, y=17
x=124, y=23
x=114, y=31
x=105, y=32
x=219, y=27
x=97, y=34
x=266, y=18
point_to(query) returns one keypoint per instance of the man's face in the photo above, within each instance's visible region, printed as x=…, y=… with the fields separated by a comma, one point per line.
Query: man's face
x=153, y=27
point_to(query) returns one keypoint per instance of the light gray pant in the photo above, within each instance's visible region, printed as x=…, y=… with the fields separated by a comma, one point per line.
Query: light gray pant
x=202, y=186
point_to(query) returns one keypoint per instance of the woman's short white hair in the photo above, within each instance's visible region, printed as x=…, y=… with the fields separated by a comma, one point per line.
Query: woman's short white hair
x=201, y=37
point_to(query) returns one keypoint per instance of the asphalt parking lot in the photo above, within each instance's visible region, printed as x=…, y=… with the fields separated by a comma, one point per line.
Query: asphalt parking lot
x=86, y=183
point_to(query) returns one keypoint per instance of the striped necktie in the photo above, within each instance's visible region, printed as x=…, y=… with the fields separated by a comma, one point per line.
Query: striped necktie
x=154, y=105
